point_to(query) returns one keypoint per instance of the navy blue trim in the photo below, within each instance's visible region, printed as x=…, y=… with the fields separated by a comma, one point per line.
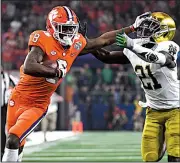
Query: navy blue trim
x=71, y=13
x=35, y=123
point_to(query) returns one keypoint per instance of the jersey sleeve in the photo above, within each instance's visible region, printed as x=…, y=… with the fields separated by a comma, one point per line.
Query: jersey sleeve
x=127, y=53
x=37, y=39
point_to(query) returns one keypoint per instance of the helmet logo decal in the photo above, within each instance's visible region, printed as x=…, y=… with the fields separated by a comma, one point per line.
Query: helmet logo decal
x=53, y=14
x=11, y=103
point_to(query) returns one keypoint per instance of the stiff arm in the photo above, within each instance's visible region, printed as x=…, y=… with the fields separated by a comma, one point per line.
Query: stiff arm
x=105, y=39
x=109, y=38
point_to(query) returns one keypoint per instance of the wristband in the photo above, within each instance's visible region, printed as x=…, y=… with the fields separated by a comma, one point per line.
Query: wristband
x=132, y=28
x=122, y=30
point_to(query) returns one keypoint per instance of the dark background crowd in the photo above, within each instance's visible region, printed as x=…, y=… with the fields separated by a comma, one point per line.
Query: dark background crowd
x=110, y=85
x=20, y=19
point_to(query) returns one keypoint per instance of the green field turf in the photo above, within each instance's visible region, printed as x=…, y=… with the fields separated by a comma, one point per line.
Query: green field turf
x=89, y=146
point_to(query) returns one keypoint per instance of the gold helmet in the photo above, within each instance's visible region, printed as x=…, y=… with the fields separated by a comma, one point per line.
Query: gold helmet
x=160, y=26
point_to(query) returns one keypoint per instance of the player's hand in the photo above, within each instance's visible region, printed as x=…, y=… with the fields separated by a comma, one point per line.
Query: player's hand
x=61, y=69
x=60, y=73
x=140, y=19
x=82, y=28
x=124, y=41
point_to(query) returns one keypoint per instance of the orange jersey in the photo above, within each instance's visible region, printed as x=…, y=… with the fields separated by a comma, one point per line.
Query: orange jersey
x=40, y=89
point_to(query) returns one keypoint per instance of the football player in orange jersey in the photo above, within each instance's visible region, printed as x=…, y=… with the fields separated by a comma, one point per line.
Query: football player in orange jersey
x=61, y=43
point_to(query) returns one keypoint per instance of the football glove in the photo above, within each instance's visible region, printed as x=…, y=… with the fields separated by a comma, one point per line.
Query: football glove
x=61, y=69
x=82, y=28
x=124, y=41
x=140, y=19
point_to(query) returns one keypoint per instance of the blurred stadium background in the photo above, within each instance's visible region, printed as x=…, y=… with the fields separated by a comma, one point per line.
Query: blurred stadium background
x=101, y=98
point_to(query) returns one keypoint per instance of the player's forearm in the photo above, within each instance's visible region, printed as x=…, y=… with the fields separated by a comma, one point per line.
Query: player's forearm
x=110, y=57
x=102, y=55
x=105, y=39
x=110, y=37
x=39, y=70
x=105, y=59
x=162, y=57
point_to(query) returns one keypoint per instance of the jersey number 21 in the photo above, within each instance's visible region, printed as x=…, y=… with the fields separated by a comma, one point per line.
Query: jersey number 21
x=148, y=85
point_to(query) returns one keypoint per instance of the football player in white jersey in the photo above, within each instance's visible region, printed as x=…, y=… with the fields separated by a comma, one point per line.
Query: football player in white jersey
x=153, y=57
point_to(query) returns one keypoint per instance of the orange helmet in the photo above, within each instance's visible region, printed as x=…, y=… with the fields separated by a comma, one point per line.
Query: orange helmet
x=62, y=24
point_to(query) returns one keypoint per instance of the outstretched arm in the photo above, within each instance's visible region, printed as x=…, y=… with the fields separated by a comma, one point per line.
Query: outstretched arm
x=113, y=57
x=109, y=38
x=162, y=57
x=105, y=39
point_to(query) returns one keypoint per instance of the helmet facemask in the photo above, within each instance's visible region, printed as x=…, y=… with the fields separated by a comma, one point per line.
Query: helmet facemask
x=65, y=33
x=148, y=28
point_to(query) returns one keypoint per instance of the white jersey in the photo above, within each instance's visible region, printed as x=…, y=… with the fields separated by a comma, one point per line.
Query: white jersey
x=161, y=84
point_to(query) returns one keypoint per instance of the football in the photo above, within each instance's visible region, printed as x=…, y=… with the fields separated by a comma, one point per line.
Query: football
x=50, y=63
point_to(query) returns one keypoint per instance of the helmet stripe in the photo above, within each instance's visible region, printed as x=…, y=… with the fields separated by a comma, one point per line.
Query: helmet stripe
x=69, y=13
x=72, y=14
x=66, y=13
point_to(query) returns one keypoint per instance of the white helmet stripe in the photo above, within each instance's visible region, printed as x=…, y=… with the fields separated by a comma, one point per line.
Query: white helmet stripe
x=70, y=16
